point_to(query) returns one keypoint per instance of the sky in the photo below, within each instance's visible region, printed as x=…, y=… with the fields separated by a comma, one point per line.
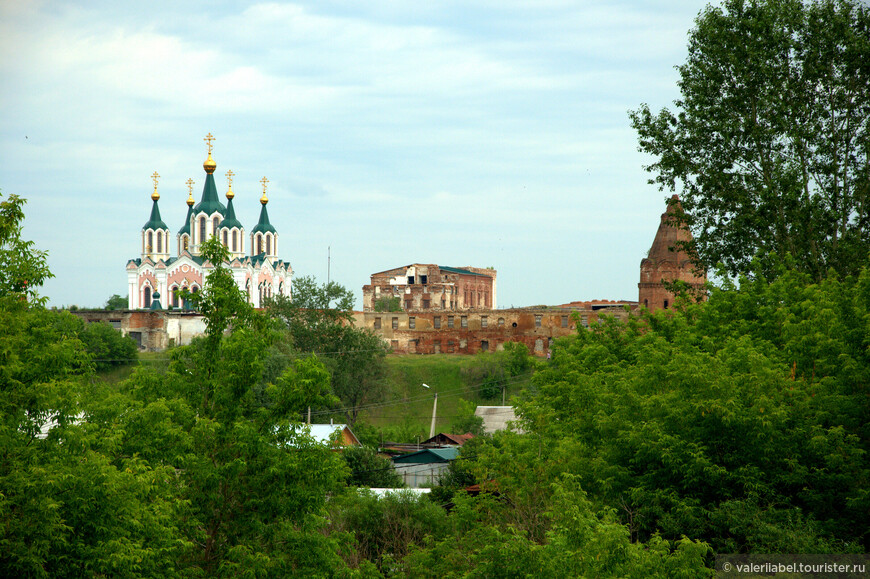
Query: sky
x=485, y=134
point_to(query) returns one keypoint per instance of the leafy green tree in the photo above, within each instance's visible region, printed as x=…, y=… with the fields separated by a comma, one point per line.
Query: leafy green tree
x=116, y=302
x=107, y=347
x=319, y=319
x=368, y=469
x=768, y=144
x=23, y=268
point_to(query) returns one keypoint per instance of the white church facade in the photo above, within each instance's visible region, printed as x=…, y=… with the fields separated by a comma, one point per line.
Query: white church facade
x=155, y=279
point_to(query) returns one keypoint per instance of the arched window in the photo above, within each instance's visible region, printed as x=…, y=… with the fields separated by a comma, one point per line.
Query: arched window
x=666, y=304
x=259, y=244
x=201, y=229
x=214, y=225
x=146, y=297
x=184, y=242
x=174, y=292
x=235, y=240
x=159, y=242
x=150, y=243
x=268, y=245
x=225, y=238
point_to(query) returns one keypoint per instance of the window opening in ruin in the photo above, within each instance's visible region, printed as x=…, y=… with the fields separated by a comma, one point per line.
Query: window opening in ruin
x=584, y=321
x=407, y=304
x=646, y=303
x=424, y=279
x=410, y=280
x=484, y=322
x=436, y=322
x=395, y=323
x=437, y=346
x=449, y=321
x=539, y=345
x=425, y=304
x=412, y=323
x=464, y=321
x=484, y=346
x=501, y=322
x=564, y=321
x=666, y=304
x=537, y=320
x=377, y=323
x=394, y=344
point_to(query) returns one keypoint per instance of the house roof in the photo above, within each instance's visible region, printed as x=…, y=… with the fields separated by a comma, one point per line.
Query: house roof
x=495, y=417
x=457, y=439
x=325, y=433
x=461, y=270
x=428, y=455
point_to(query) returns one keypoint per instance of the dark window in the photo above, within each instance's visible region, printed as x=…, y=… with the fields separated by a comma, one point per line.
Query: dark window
x=666, y=304
x=159, y=242
x=424, y=279
x=410, y=280
x=268, y=245
x=214, y=225
x=395, y=323
x=235, y=240
x=436, y=322
x=150, y=245
x=412, y=323
x=201, y=229
x=425, y=304
x=225, y=239
x=377, y=323
x=564, y=321
x=484, y=346
x=146, y=297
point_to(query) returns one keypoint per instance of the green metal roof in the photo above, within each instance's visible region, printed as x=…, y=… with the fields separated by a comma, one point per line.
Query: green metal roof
x=230, y=220
x=460, y=270
x=210, y=202
x=186, y=228
x=429, y=455
x=155, y=222
x=263, y=225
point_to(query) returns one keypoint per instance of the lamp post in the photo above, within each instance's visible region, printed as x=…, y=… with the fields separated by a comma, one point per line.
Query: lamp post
x=434, y=412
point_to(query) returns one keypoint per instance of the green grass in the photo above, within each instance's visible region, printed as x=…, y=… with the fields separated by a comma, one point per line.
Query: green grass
x=408, y=405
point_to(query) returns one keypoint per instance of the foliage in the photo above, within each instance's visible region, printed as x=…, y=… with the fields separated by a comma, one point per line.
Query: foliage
x=23, y=268
x=737, y=422
x=368, y=469
x=385, y=528
x=117, y=302
x=388, y=304
x=107, y=347
x=319, y=320
x=467, y=421
x=492, y=372
x=769, y=141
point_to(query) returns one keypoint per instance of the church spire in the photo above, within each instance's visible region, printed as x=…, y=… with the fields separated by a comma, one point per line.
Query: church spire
x=264, y=237
x=155, y=233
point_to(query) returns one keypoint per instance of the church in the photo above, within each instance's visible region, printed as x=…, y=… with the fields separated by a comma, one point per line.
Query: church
x=156, y=278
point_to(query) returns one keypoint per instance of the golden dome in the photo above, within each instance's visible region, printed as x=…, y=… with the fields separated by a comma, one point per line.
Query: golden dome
x=264, y=199
x=190, y=200
x=155, y=196
x=209, y=165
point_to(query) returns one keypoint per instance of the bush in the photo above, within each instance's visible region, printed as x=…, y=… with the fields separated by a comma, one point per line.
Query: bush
x=107, y=347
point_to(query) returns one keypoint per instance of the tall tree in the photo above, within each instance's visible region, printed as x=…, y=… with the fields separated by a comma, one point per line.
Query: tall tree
x=23, y=268
x=769, y=144
x=319, y=319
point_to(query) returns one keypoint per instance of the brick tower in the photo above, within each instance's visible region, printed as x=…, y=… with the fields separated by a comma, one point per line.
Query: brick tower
x=665, y=262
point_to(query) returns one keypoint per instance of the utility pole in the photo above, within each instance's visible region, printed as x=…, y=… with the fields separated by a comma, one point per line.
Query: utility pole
x=434, y=411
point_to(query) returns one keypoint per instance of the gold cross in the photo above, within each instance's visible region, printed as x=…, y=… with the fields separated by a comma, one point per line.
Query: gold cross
x=230, y=178
x=264, y=181
x=154, y=178
x=209, y=138
x=189, y=184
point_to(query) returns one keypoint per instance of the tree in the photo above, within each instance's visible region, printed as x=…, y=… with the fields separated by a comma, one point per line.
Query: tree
x=388, y=304
x=319, y=319
x=23, y=268
x=116, y=302
x=107, y=347
x=770, y=141
x=368, y=469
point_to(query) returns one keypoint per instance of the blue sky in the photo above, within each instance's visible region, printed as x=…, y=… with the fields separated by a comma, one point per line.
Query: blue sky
x=482, y=134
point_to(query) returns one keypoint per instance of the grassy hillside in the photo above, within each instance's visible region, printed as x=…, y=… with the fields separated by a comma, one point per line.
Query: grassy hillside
x=461, y=382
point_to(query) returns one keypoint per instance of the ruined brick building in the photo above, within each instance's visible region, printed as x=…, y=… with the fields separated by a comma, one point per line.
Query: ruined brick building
x=667, y=261
x=426, y=286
